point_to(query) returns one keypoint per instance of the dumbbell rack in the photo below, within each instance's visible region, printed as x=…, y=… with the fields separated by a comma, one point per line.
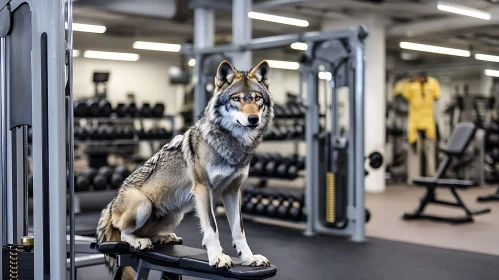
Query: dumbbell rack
x=135, y=140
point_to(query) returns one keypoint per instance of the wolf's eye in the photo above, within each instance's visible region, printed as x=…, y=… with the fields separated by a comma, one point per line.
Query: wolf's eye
x=235, y=98
x=257, y=98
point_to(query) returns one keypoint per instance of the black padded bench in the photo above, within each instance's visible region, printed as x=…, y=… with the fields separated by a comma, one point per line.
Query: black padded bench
x=177, y=260
x=461, y=137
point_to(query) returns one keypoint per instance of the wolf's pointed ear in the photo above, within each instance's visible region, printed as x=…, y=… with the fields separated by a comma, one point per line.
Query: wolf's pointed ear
x=226, y=74
x=261, y=73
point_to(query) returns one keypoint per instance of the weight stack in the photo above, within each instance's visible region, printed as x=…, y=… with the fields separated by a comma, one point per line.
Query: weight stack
x=17, y=264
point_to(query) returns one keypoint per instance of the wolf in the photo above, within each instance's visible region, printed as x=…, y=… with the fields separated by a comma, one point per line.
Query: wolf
x=211, y=158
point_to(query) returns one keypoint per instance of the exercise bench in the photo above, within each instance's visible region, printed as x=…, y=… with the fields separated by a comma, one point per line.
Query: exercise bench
x=175, y=260
x=461, y=137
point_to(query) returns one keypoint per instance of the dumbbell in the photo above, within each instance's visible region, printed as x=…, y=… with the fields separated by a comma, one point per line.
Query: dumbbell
x=122, y=170
x=282, y=170
x=128, y=132
x=303, y=110
x=295, y=211
x=292, y=172
x=158, y=110
x=93, y=108
x=116, y=180
x=300, y=130
x=278, y=111
x=104, y=133
x=162, y=133
x=270, y=168
x=130, y=109
x=493, y=140
x=80, y=109
x=82, y=183
x=287, y=112
x=274, y=204
x=268, y=135
x=105, y=171
x=367, y=215
x=105, y=109
x=261, y=207
x=283, y=209
x=295, y=111
x=258, y=168
x=292, y=133
x=493, y=127
x=494, y=154
x=145, y=110
x=80, y=133
x=142, y=134
x=93, y=133
x=284, y=132
x=249, y=206
x=300, y=163
x=100, y=182
x=119, y=110
x=89, y=173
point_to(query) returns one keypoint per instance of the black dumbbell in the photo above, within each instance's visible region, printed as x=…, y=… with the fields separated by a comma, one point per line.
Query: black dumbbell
x=128, y=132
x=93, y=133
x=284, y=132
x=78, y=131
x=303, y=110
x=295, y=111
x=494, y=154
x=80, y=109
x=295, y=211
x=287, y=112
x=258, y=168
x=274, y=204
x=118, y=132
x=292, y=133
x=82, y=183
x=158, y=110
x=104, y=133
x=89, y=173
x=300, y=130
x=261, y=207
x=300, y=163
x=162, y=133
x=106, y=171
x=105, y=108
x=130, y=109
x=145, y=110
x=492, y=140
x=367, y=215
x=249, y=206
x=493, y=127
x=283, y=209
x=93, y=108
x=282, y=170
x=119, y=110
x=100, y=182
x=292, y=172
x=270, y=168
x=278, y=111
x=116, y=180
x=268, y=135
x=142, y=134
x=122, y=170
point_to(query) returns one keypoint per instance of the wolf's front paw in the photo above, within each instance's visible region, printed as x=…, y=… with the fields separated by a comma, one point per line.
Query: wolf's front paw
x=255, y=260
x=166, y=239
x=221, y=260
x=141, y=244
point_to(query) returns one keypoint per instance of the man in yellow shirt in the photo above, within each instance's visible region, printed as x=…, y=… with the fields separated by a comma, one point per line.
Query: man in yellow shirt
x=421, y=92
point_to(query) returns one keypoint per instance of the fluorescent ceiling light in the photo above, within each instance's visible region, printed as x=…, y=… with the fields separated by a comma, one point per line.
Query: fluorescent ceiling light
x=492, y=73
x=434, y=49
x=299, y=46
x=486, y=57
x=88, y=28
x=111, y=55
x=191, y=62
x=76, y=53
x=463, y=10
x=325, y=76
x=278, y=19
x=156, y=46
x=289, y=65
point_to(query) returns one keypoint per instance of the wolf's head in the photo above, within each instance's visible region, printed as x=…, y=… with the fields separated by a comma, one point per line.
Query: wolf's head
x=242, y=103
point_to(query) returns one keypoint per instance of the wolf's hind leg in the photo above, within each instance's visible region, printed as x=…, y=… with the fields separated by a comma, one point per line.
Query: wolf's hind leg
x=138, y=212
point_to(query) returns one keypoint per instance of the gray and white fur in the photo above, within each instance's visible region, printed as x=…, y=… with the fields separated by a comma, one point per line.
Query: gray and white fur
x=212, y=157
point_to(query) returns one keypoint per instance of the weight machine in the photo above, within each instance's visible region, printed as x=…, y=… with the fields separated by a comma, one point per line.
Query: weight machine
x=342, y=54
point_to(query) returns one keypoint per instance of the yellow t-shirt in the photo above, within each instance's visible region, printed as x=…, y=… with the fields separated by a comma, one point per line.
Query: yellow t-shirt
x=421, y=97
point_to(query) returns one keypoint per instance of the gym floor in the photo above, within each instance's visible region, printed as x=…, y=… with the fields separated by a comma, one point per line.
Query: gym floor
x=482, y=236
x=328, y=257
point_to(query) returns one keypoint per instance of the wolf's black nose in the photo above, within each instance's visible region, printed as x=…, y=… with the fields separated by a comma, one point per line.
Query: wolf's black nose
x=253, y=119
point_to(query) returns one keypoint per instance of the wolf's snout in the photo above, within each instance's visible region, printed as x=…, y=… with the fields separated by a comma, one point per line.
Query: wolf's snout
x=253, y=119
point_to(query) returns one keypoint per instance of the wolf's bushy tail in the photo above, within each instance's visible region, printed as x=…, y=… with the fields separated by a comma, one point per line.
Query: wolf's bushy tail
x=107, y=232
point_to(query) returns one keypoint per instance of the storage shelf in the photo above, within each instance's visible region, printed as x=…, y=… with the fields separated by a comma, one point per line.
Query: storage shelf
x=126, y=119
x=271, y=220
x=284, y=140
x=118, y=142
x=274, y=178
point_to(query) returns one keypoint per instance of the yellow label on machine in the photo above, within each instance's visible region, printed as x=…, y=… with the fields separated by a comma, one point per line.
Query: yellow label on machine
x=330, y=198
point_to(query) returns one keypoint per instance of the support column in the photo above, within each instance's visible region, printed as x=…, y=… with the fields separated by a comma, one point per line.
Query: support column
x=241, y=33
x=375, y=96
x=204, y=33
